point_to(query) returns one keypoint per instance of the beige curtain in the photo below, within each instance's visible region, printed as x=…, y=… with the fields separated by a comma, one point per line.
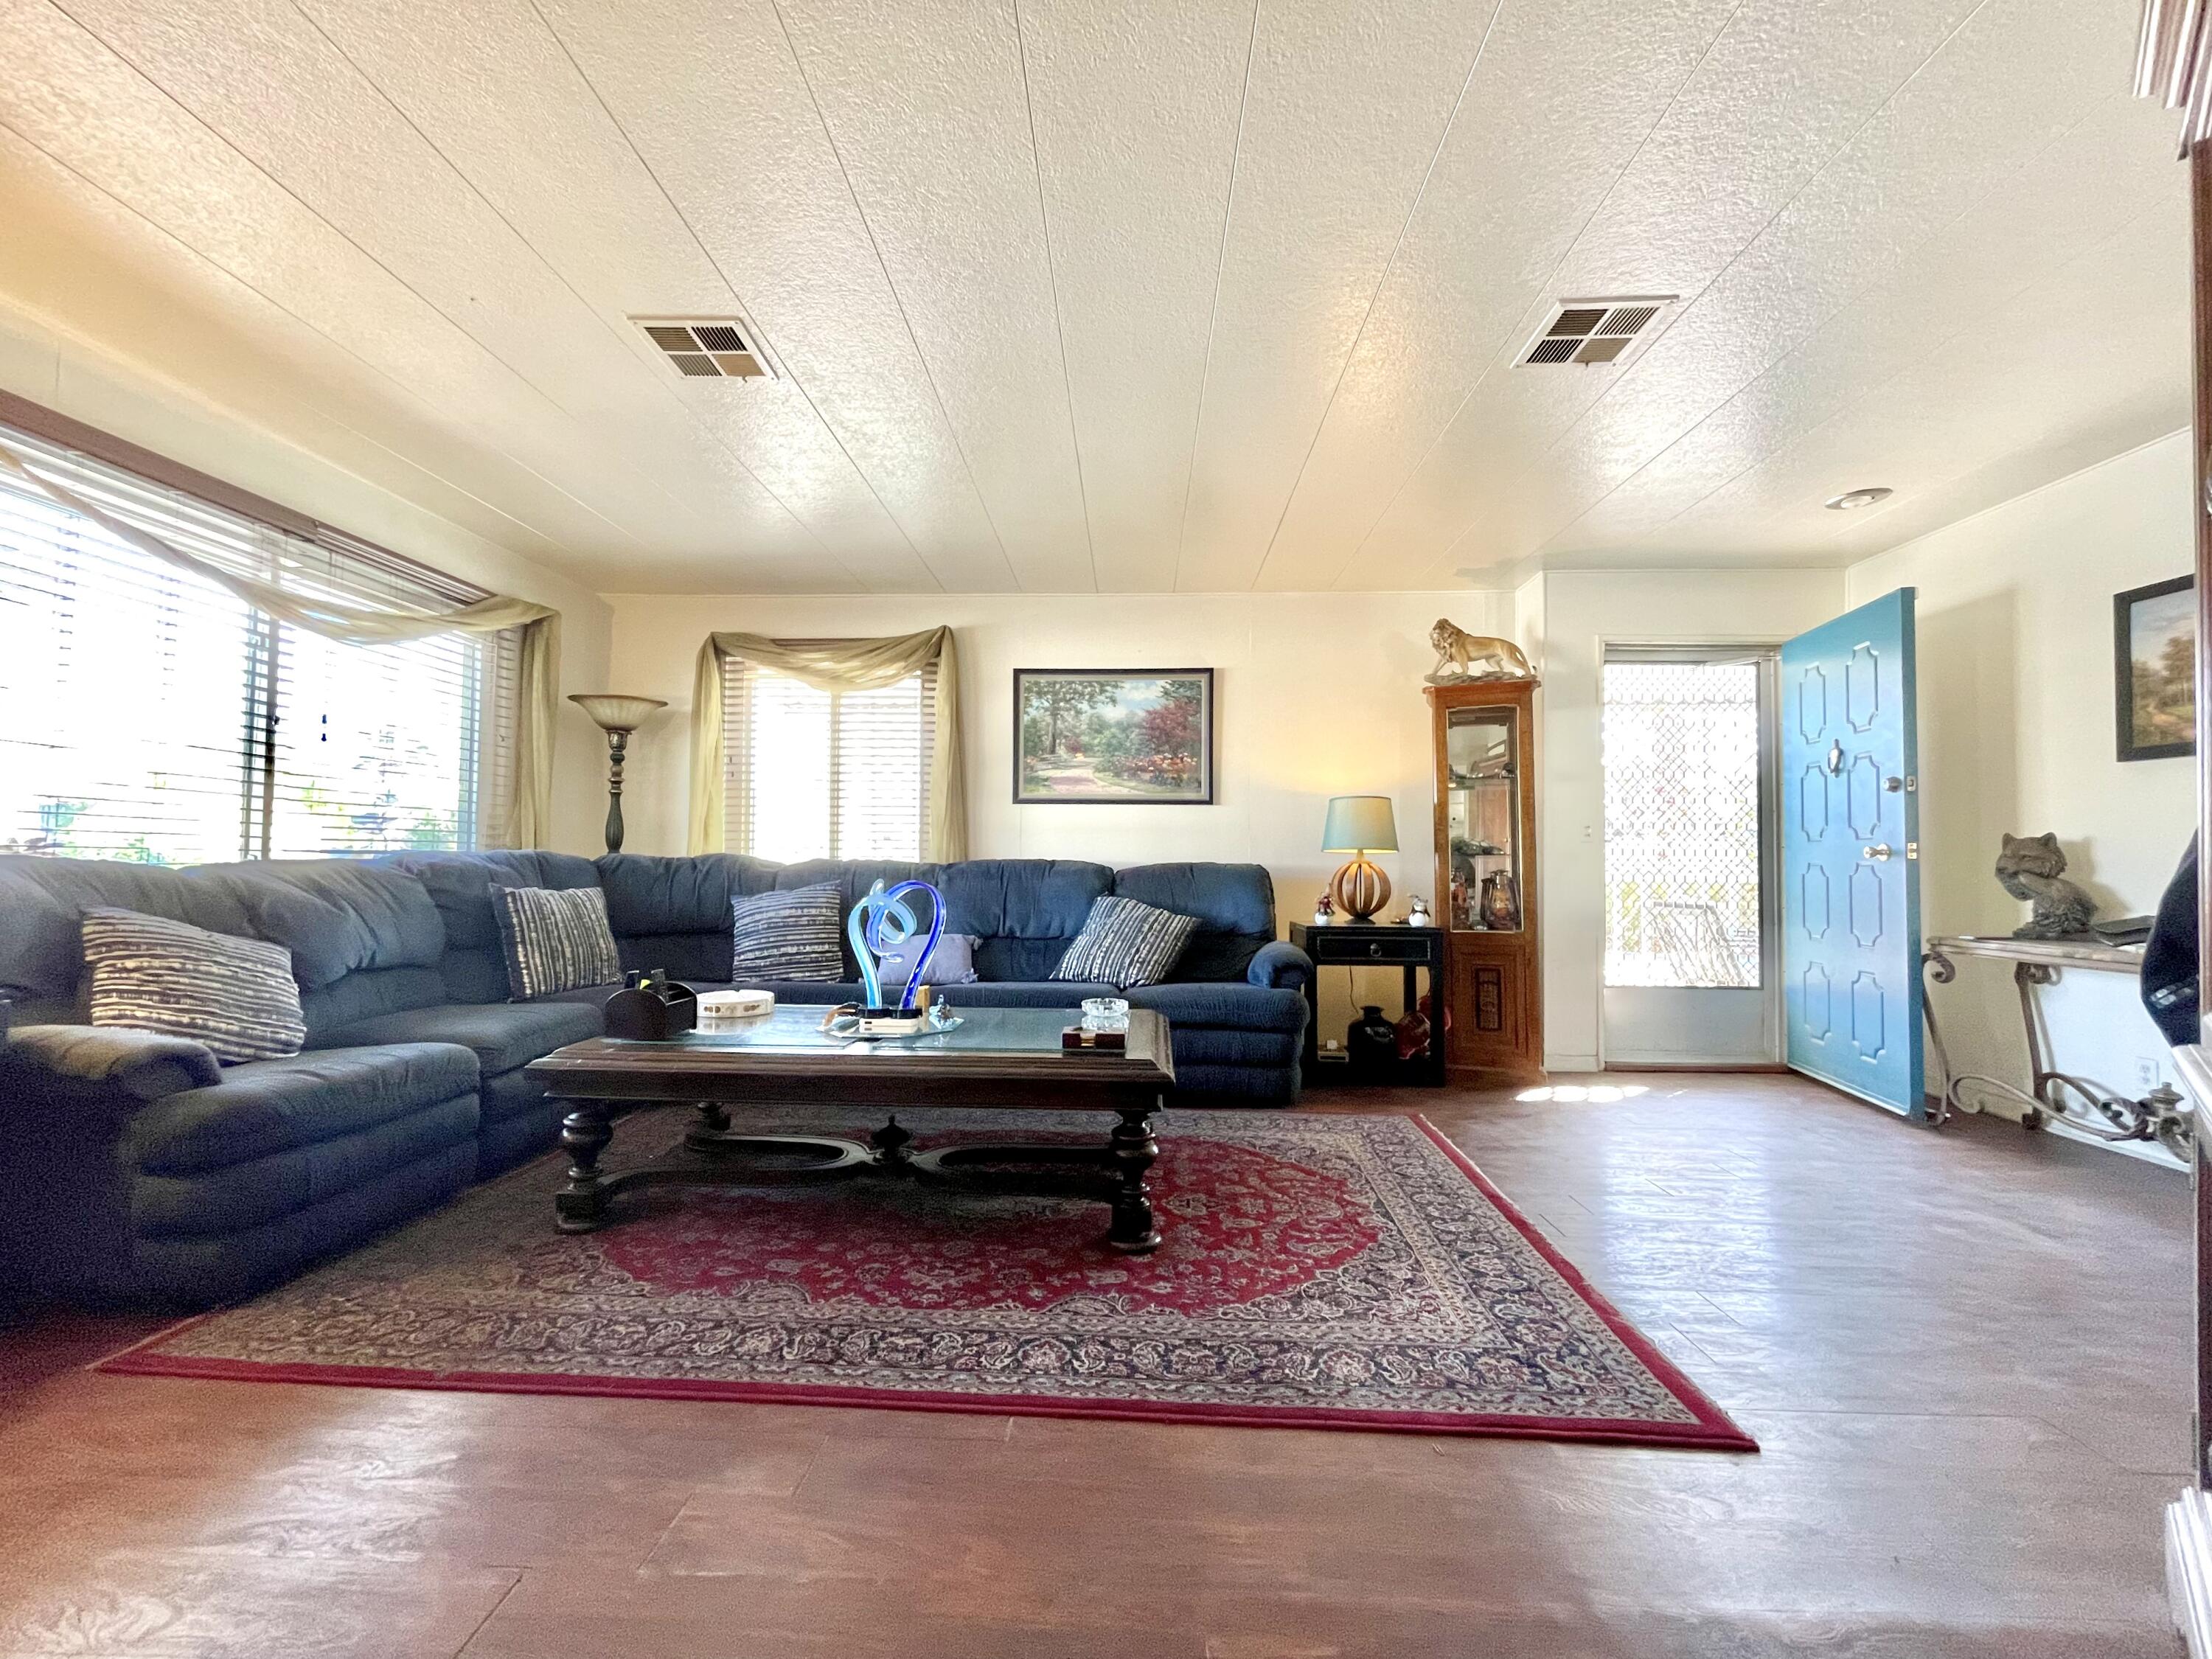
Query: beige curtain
x=835, y=665
x=529, y=814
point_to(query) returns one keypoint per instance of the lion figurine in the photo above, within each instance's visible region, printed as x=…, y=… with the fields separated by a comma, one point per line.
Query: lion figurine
x=1458, y=652
x=2030, y=867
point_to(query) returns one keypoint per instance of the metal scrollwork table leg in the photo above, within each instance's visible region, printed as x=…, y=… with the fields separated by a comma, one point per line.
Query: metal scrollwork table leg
x=2160, y=1117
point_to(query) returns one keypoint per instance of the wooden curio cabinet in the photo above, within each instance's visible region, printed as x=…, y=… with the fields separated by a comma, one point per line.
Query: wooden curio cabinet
x=1486, y=836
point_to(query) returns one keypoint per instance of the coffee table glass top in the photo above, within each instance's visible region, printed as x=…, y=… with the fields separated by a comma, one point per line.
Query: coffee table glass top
x=796, y=1028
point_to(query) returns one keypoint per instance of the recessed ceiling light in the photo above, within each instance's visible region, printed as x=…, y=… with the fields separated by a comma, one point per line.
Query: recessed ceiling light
x=1852, y=498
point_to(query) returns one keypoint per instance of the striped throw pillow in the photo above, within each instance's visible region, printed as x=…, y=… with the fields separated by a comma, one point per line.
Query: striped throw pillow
x=236, y=996
x=1125, y=944
x=556, y=939
x=790, y=936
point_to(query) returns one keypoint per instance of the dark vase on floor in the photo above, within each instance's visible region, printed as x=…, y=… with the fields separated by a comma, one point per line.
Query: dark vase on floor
x=1371, y=1043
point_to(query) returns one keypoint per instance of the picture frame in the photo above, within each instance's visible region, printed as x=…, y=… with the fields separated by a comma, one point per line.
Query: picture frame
x=1113, y=736
x=2155, y=670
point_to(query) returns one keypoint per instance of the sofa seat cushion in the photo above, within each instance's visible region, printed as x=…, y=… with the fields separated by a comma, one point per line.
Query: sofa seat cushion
x=270, y=1106
x=1233, y=1007
x=504, y=1035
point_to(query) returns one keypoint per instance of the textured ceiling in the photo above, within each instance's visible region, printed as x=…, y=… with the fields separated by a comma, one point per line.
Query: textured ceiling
x=1121, y=294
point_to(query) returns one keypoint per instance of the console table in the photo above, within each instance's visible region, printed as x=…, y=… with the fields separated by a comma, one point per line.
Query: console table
x=2161, y=1116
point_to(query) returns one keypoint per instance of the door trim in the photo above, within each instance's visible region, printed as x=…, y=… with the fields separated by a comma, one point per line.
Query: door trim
x=1700, y=647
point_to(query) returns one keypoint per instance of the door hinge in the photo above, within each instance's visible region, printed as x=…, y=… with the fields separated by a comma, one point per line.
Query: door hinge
x=1912, y=849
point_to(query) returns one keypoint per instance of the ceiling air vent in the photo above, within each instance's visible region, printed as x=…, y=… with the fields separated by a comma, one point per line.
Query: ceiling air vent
x=707, y=348
x=1589, y=331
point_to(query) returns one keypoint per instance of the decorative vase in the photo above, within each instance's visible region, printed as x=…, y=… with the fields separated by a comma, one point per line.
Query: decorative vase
x=1371, y=1043
x=881, y=921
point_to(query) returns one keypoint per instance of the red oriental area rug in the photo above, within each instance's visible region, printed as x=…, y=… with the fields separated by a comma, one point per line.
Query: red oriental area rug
x=1318, y=1271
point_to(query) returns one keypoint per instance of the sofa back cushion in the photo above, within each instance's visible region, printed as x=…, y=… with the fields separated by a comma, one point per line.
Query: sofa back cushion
x=1023, y=912
x=41, y=941
x=674, y=913
x=1235, y=905
x=365, y=938
x=460, y=886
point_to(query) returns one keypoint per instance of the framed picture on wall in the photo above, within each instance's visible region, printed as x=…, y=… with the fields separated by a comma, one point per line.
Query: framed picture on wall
x=2154, y=669
x=1124, y=736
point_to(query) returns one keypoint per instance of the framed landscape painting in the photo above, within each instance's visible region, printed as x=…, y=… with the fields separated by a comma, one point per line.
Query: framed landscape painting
x=1124, y=736
x=2155, y=677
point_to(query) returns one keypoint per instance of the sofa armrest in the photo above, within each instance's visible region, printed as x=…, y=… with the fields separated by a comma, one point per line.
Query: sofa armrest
x=1281, y=965
x=140, y=1065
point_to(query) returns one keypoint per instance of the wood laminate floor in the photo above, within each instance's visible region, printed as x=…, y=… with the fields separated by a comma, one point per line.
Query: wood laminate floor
x=1967, y=1357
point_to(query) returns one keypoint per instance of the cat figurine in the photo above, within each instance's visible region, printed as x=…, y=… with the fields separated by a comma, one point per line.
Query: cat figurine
x=2029, y=867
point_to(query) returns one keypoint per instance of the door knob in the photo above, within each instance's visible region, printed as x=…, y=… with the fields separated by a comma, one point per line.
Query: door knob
x=1878, y=852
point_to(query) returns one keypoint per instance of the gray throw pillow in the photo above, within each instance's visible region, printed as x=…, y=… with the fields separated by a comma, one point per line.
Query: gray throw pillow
x=1125, y=944
x=555, y=939
x=788, y=936
x=235, y=995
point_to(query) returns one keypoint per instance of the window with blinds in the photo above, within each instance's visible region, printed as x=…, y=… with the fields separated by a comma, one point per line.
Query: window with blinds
x=148, y=714
x=825, y=774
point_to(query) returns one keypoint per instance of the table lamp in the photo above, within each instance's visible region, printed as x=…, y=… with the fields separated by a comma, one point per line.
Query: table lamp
x=617, y=716
x=1359, y=824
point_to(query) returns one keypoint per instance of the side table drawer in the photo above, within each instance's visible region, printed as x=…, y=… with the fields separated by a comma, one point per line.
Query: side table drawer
x=1412, y=948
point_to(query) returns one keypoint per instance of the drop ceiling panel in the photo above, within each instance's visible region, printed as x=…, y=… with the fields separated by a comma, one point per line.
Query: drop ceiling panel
x=2121, y=291
x=492, y=90
x=1784, y=88
x=279, y=90
x=113, y=142
x=1935, y=146
x=713, y=101
x=2063, y=207
x=1522, y=170
x=1136, y=105
x=928, y=105
x=60, y=241
x=1345, y=109
x=1114, y=291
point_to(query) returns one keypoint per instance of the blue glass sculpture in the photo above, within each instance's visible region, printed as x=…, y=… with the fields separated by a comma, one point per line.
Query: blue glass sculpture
x=880, y=923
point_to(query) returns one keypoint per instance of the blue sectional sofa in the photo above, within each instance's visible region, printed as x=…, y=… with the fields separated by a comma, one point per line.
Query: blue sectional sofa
x=139, y=1170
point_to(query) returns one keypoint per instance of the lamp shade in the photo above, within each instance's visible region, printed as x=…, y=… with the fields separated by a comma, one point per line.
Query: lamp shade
x=1359, y=823
x=614, y=712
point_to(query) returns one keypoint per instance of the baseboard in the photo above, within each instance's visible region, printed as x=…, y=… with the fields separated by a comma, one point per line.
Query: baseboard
x=2189, y=1569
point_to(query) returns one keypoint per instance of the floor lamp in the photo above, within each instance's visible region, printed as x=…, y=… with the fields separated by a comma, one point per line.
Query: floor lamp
x=617, y=716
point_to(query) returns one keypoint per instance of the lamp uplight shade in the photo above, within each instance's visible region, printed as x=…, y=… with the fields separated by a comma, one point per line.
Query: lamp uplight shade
x=615, y=713
x=1359, y=823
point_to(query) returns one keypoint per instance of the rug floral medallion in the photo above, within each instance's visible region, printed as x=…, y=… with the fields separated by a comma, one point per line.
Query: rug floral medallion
x=1317, y=1271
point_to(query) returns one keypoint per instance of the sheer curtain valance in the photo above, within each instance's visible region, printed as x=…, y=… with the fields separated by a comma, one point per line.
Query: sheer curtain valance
x=289, y=597
x=835, y=666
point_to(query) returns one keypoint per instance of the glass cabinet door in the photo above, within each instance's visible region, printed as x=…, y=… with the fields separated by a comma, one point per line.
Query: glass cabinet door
x=1482, y=818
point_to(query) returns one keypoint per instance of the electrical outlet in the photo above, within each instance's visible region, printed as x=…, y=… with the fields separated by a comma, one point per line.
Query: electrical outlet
x=2149, y=1073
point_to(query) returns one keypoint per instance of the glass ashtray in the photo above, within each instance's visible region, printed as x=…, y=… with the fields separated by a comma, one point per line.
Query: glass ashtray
x=1105, y=1014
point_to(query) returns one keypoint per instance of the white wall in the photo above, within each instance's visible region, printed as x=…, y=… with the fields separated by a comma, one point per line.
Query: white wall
x=1580, y=612
x=2016, y=734
x=136, y=402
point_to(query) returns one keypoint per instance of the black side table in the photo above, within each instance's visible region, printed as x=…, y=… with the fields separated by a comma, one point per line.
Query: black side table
x=1379, y=944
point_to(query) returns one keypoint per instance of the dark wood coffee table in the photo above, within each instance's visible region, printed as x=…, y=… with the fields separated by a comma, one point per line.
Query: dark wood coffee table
x=996, y=1058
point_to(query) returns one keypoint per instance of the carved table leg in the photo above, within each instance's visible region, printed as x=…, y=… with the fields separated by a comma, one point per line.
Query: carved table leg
x=581, y=1205
x=1132, y=1148
x=713, y=1117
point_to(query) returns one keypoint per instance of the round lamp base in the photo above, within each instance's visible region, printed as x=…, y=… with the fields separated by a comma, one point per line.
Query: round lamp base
x=1359, y=889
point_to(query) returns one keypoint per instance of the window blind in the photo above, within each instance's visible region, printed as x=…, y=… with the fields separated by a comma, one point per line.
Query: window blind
x=837, y=775
x=147, y=714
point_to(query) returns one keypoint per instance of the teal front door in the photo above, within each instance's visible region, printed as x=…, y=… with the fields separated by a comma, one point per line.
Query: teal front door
x=1851, y=855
